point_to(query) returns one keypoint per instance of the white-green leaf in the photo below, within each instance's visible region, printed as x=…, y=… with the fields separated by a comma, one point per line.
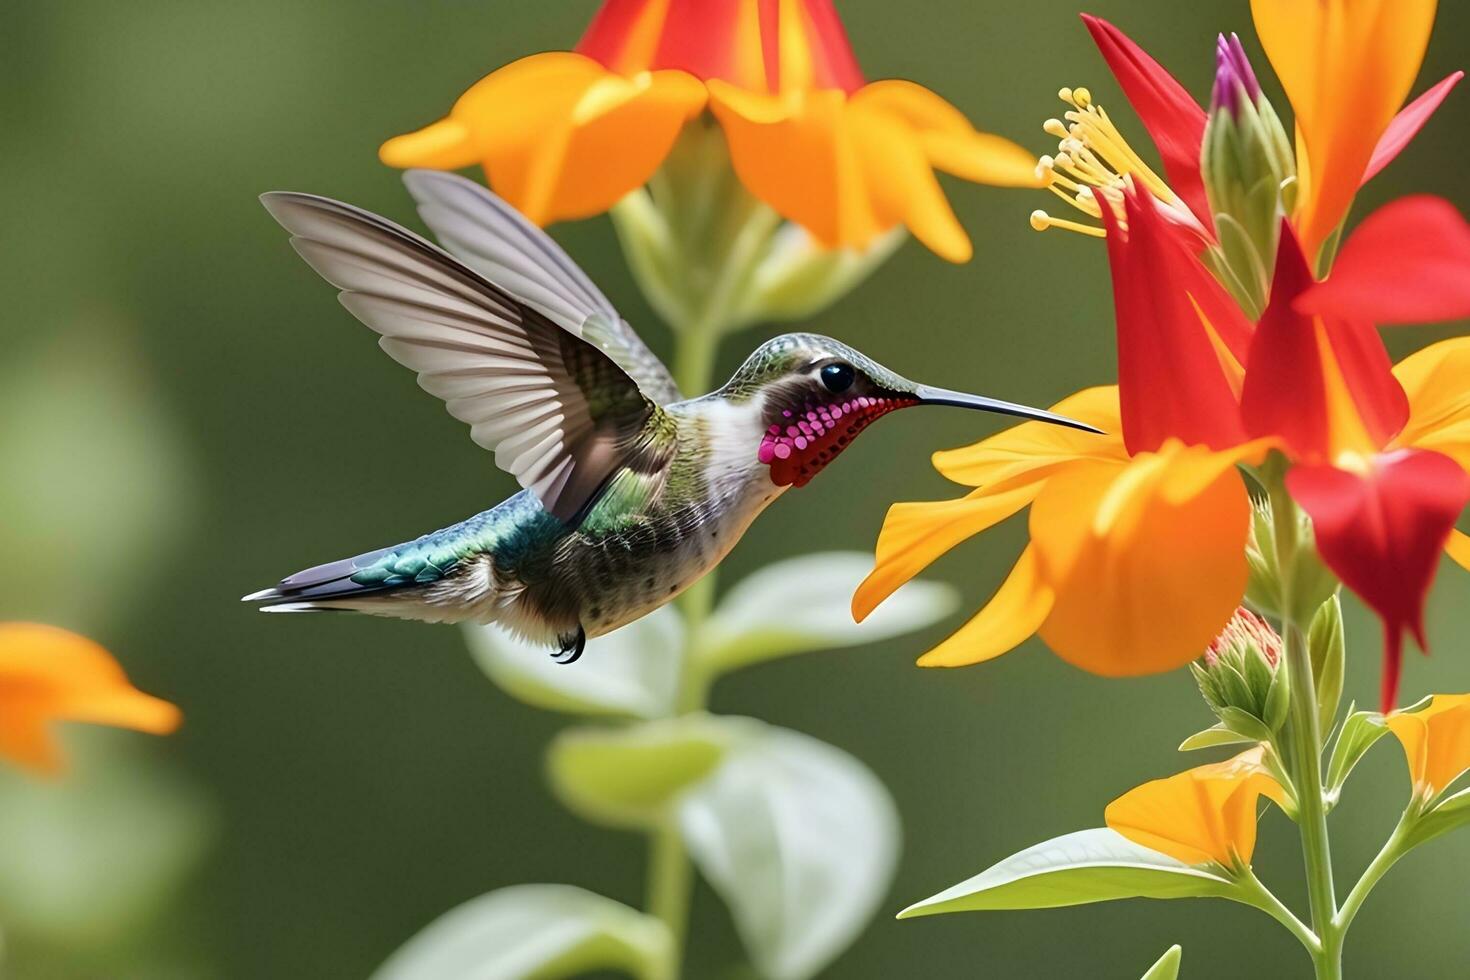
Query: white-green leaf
x=628, y=777
x=534, y=931
x=800, y=839
x=805, y=604
x=630, y=672
x=1167, y=967
x=1075, y=869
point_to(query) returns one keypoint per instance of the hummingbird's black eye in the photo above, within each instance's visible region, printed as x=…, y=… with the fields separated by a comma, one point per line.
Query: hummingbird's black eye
x=838, y=377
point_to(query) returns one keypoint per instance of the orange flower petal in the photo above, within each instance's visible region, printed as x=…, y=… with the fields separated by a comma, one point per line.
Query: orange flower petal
x=1436, y=741
x=559, y=135
x=1347, y=66
x=1034, y=449
x=849, y=169
x=1015, y=612
x=1147, y=558
x=1437, y=382
x=1458, y=548
x=948, y=139
x=1203, y=815
x=914, y=535
x=49, y=674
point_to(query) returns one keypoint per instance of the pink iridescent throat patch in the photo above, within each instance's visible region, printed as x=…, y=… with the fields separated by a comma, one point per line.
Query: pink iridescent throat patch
x=810, y=438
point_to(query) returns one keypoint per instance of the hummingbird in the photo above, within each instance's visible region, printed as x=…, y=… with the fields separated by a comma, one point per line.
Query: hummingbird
x=631, y=491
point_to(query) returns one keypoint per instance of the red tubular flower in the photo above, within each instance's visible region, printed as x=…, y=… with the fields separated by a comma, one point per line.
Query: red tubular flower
x=1172, y=117
x=1181, y=338
x=1319, y=378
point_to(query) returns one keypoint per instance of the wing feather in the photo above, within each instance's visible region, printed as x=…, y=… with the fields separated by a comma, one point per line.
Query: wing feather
x=558, y=413
x=494, y=239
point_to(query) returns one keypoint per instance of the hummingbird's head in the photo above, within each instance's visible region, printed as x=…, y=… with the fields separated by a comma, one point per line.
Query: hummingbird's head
x=815, y=394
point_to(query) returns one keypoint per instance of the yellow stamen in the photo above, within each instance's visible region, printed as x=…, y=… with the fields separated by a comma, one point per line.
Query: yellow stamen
x=1093, y=162
x=1041, y=221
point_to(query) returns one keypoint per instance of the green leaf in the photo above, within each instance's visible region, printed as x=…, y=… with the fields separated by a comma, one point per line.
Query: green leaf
x=1213, y=736
x=1167, y=967
x=800, y=840
x=1088, y=866
x=534, y=931
x=1326, y=646
x=629, y=777
x=1359, y=731
x=1451, y=813
x=804, y=604
x=1244, y=724
x=632, y=672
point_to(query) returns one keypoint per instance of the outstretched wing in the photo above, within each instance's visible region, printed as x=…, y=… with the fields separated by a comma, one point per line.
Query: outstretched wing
x=495, y=240
x=558, y=413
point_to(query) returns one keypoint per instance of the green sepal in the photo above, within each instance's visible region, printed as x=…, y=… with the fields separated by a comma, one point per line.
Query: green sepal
x=1210, y=737
x=1326, y=645
x=1244, y=724
x=1451, y=813
x=1359, y=731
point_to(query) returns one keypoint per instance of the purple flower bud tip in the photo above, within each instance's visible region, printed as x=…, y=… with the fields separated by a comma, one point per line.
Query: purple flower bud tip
x=1234, y=77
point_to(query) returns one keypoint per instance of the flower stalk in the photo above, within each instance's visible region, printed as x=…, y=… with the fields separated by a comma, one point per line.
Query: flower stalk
x=1303, y=751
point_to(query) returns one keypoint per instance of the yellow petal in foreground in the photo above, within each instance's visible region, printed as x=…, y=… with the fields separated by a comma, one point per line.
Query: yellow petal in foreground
x=48, y=674
x=1032, y=450
x=914, y=535
x=850, y=169
x=1146, y=559
x=1202, y=816
x=1008, y=620
x=1347, y=66
x=1436, y=741
x=1437, y=381
x=559, y=136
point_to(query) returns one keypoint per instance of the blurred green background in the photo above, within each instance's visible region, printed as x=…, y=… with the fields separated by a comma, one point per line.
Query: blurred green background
x=186, y=415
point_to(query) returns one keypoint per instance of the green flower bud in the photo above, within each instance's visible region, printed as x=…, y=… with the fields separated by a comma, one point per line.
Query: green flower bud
x=1240, y=677
x=1312, y=583
x=1250, y=174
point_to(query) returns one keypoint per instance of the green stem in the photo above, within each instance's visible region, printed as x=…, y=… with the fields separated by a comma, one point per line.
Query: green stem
x=1386, y=858
x=1304, y=748
x=1256, y=894
x=670, y=876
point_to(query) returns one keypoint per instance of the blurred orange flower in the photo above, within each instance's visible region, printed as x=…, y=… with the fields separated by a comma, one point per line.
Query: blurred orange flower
x=1202, y=816
x=567, y=134
x=48, y=674
x=1436, y=741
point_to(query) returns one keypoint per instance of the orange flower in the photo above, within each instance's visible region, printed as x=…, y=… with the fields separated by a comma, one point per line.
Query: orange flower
x=48, y=674
x=1137, y=555
x=1347, y=66
x=1436, y=742
x=566, y=135
x=1206, y=815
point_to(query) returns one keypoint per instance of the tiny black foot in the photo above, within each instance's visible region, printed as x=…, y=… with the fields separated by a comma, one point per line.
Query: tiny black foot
x=572, y=645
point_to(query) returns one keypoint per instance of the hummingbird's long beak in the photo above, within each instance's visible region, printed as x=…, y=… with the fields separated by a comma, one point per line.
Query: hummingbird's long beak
x=959, y=399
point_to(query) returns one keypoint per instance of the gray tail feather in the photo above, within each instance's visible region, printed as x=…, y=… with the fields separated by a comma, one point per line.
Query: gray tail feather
x=304, y=590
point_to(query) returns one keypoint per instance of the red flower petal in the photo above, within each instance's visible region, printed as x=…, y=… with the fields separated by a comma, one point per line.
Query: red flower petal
x=1407, y=123
x=1170, y=114
x=1381, y=531
x=1408, y=262
x=739, y=41
x=1172, y=380
x=1323, y=384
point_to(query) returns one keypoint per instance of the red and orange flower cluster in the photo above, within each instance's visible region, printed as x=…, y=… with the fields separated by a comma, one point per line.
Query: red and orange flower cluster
x=1138, y=539
x=566, y=134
